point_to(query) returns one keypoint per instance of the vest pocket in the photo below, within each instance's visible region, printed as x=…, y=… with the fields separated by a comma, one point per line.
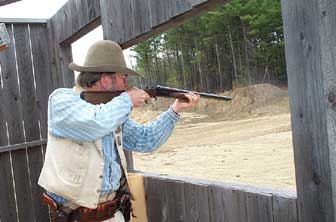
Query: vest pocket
x=72, y=165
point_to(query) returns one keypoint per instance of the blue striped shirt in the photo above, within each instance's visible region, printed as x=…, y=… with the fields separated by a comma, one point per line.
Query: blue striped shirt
x=71, y=117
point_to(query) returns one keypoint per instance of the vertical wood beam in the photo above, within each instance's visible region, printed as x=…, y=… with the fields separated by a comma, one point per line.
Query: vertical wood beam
x=310, y=39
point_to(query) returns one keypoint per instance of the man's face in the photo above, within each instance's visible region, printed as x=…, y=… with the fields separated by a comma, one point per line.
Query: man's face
x=117, y=82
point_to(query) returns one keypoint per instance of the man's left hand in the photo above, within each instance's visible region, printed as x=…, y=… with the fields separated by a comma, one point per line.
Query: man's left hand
x=180, y=105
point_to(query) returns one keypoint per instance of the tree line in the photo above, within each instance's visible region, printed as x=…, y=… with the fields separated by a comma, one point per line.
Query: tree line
x=237, y=44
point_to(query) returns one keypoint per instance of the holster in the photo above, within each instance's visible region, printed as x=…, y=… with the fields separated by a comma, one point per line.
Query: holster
x=125, y=205
x=103, y=212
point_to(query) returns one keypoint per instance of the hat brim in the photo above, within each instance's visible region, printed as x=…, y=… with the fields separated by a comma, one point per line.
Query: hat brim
x=103, y=68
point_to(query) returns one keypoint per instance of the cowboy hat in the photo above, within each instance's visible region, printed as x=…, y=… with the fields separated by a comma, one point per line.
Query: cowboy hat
x=104, y=56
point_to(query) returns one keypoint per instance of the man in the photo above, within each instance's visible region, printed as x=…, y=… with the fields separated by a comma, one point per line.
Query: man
x=82, y=168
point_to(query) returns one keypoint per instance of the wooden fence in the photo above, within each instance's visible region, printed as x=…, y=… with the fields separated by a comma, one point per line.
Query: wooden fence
x=184, y=199
x=26, y=82
x=36, y=63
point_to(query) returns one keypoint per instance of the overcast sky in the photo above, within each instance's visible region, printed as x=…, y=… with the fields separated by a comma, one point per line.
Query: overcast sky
x=46, y=9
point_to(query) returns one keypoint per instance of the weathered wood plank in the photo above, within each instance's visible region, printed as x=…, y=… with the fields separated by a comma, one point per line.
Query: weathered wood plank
x=75, y=19
x=5, y=2
x=156, y=200
x=149, y=17
x=42, y=70
x=35, y=158
x=327, y=31
x=62, y=53
x=159, y=11
x=22, y=145
x=129, y=161
x=26, y=78
x=178, y=7
x=3, y=126
x=310, y=57
x=93, y=9
x=7, y=203
x=109, y=15
x=22, y=20
x=125, y=19
x=65, y=54
x=197, y=203
x=57, y=79
x=28, y=108
x=175, y=197
x=284, y=209
x=11, y=93
x=227, y=205
x=82, y=12
x=197, y=2
x=258, y=207
x=140, y=17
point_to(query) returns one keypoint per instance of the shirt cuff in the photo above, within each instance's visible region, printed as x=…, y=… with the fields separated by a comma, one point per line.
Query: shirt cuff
x=173, y=115
x=127, y=99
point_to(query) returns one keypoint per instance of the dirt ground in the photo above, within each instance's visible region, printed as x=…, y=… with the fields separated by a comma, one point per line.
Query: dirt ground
x=246, y=141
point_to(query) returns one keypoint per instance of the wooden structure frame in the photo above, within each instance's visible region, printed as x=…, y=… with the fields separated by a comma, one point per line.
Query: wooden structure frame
x=6, y=2
x=37, y=63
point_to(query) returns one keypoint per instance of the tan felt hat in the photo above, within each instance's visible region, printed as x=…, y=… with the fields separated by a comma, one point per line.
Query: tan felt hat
x=104, y=56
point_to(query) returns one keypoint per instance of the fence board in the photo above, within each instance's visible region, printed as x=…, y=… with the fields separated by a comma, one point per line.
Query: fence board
x=65, y=53
x=197, y=2
x=93, y=7
x=29, y=109
x=42, y=70
x=140, y=17
x=57, y=78
x=82, y=11
x=125, y=19
x=159, y=11
x=175, y=197
x=197, y=203
x=259, y=207
x=26, y=78
x=11, y=93
x=178, y=7
x=110, y=24
x=284, y=209
x=156, y=200
x=309, y=28
x=35, y=165
x=227, y=205
x=216, y=204
x=7, y=203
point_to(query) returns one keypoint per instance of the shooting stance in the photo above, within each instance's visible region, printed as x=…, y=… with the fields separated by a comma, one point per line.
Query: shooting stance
x=84, y=170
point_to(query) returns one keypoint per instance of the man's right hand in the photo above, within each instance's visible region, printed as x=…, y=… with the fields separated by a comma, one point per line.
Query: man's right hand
x=138, y=96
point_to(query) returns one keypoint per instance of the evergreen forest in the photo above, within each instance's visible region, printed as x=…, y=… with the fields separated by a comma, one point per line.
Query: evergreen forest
x=240, y=43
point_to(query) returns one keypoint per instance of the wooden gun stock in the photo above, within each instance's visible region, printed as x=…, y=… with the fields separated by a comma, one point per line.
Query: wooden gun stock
x=102, y=97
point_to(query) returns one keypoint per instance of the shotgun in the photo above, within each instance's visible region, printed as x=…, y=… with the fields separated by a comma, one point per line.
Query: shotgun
x=99, y=97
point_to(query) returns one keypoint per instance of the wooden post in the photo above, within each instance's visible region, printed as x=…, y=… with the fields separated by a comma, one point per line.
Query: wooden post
x=310, y=39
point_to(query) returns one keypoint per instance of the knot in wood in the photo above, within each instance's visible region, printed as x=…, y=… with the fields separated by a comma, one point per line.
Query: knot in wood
x=316, y=178
x=332, y=99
